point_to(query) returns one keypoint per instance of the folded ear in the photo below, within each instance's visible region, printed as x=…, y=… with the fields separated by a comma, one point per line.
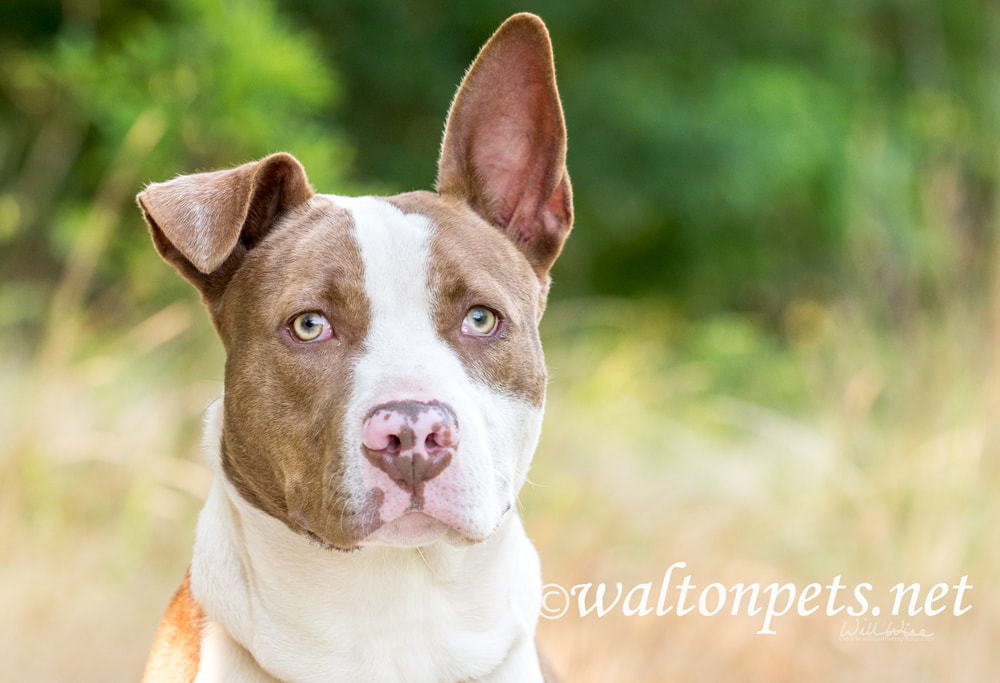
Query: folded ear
x=205, y=224
x=504, y=148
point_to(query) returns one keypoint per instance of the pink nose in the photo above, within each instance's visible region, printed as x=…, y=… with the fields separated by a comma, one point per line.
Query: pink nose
x=410, y=441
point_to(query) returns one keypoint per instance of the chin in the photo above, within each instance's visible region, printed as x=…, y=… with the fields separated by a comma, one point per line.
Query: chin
x=411, y=529
x=415, y=529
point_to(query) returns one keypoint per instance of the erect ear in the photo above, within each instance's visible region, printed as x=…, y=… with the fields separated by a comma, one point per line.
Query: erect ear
x=205, y=224
x=504, y=147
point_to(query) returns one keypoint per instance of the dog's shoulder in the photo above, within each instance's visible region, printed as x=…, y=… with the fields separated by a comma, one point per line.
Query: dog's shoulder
x=177, y=646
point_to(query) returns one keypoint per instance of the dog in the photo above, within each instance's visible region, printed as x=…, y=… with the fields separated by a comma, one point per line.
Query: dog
x=383, y=397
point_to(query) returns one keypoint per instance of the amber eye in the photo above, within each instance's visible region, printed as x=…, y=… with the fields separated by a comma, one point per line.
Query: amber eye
x=480, y=322
x=311, y=327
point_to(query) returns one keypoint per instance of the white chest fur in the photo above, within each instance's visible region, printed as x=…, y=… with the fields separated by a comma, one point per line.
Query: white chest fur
x=304, y=613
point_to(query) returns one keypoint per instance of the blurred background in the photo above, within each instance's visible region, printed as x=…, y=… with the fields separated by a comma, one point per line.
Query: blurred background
x=772, y=337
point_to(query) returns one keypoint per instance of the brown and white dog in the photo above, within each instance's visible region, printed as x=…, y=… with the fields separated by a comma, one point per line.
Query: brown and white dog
x=384, y=389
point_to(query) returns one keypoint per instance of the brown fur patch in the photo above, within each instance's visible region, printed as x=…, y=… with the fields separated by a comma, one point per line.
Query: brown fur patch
x=472, y=263
x=285, y=401
x=177, y=647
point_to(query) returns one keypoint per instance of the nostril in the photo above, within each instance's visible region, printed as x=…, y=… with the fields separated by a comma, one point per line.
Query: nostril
x=394, y=430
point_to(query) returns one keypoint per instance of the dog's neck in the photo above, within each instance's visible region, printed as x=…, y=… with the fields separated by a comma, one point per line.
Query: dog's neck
x=438, y=612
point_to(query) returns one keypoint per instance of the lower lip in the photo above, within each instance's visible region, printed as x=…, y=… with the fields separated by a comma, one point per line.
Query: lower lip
x=410, y=529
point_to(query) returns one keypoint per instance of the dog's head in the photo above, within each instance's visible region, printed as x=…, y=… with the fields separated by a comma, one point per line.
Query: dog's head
x=384, y=376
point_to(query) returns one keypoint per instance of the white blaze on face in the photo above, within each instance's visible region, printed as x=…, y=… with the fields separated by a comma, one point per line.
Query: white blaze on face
x=404, y=358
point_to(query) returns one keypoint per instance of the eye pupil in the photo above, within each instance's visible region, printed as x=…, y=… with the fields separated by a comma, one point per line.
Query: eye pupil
x=481, y=321
x=308, y=326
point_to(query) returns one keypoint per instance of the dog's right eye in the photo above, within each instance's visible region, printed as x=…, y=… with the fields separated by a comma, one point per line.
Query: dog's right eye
x=312, y=326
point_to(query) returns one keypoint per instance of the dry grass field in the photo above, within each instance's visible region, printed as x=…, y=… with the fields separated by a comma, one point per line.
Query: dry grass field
x=847, y=450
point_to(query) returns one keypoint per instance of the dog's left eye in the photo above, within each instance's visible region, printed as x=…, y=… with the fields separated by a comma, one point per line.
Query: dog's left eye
x=310, y=327
x=480, y=322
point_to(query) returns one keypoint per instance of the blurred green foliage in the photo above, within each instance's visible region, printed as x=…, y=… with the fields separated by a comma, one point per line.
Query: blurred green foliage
x=726, y=156
x=112, y=96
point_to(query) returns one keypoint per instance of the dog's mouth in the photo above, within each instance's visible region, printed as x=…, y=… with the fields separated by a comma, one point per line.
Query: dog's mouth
x=417, y=528
x=412, y=529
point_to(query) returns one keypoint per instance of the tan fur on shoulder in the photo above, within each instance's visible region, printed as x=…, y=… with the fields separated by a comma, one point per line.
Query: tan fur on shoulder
x=176, y=648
